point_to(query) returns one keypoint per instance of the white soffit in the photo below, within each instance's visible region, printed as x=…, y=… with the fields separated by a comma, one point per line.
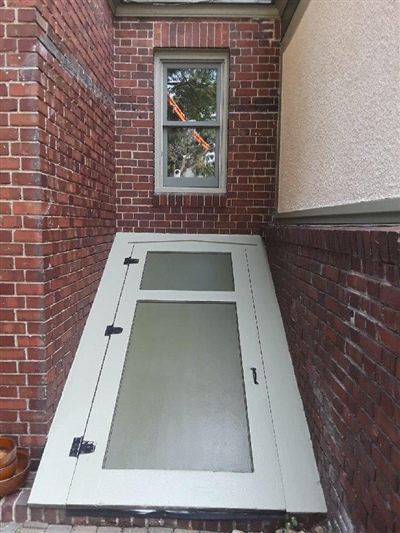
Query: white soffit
x=196, y=8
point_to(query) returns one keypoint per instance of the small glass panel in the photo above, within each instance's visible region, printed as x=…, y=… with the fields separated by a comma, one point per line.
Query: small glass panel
x=188, y=272
x=191, y=152
x=181, y=403
x=192, y=94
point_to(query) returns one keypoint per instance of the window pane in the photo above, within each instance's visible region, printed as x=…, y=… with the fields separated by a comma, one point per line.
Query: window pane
x=191, y=153
x=192, y=94
x=181, y=403
x=187, y=272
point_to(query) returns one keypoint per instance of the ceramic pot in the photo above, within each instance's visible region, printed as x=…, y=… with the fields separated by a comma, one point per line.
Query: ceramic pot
x=9, y=470
x=8, y=451
x=7, y=486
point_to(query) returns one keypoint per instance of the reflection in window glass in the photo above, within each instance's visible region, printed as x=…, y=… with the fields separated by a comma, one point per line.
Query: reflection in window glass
x=191, y=152
x=192, y=94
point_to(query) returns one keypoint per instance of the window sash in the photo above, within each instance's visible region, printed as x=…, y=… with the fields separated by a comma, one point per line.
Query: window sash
x=201, y=182
x=193, y=65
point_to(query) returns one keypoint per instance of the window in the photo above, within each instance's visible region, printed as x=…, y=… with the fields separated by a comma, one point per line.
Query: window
x=190, y=121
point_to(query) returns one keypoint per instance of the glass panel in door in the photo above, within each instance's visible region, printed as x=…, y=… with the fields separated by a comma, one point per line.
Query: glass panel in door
x=188, y=271
x=181, y=404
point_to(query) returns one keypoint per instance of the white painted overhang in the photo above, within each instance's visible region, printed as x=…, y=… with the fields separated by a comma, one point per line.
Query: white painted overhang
x=267, y=9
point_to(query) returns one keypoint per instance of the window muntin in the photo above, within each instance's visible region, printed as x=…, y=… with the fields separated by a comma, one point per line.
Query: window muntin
x=190, y=122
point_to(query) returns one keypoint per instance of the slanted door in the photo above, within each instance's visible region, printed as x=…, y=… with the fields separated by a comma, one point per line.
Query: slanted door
x=178, y=418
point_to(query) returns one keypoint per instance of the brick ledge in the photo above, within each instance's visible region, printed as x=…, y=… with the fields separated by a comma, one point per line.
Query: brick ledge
x=14, y=509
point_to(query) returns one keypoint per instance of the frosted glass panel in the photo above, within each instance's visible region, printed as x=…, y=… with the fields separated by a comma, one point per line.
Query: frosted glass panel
x=181, y=403
x=188, y=271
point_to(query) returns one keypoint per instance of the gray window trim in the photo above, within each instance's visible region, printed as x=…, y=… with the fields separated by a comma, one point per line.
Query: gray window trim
x=180, y=58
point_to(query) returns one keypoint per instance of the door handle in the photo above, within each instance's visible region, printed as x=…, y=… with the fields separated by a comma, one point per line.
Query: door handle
x=254, y=370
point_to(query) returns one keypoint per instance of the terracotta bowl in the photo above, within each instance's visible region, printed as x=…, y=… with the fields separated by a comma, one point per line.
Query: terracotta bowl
x=8, y=451
x=9, y=470
x=7, y=486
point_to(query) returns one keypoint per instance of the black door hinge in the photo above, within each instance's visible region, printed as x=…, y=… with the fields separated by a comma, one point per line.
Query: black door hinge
x=130, y=261
x=112, y=330
x=81, y=446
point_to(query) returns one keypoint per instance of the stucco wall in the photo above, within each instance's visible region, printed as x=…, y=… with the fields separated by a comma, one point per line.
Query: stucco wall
x=340, y=106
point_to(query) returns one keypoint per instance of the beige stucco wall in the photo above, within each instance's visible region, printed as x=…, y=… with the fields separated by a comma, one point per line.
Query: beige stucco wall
x=340, y=105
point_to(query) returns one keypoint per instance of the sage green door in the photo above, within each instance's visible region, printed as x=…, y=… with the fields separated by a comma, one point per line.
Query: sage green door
x=181, y=413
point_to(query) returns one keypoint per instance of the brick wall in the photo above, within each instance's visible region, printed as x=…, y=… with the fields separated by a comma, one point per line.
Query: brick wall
x=58, y=175
x=338, y=289
x=252, y=130
x=57, y=198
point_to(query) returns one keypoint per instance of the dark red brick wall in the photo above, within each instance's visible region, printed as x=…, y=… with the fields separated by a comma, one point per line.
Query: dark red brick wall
x=58, y=175
x=252, y=131
x=57, y=198
x=339, y=294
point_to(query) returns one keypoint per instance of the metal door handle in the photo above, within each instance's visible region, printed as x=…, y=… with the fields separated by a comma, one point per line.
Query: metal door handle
x=254, y=370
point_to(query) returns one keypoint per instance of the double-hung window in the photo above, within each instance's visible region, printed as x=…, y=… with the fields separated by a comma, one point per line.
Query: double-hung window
x=190, y=121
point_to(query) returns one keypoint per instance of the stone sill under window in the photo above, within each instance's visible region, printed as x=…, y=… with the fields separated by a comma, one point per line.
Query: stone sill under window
x=189, y=200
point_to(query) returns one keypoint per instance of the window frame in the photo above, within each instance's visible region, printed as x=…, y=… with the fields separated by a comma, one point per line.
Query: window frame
x=202, y=59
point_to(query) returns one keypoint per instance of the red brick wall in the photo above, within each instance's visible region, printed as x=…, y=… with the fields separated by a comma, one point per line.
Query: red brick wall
x=57, y=198
x=253, y=101
x=339, y=293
